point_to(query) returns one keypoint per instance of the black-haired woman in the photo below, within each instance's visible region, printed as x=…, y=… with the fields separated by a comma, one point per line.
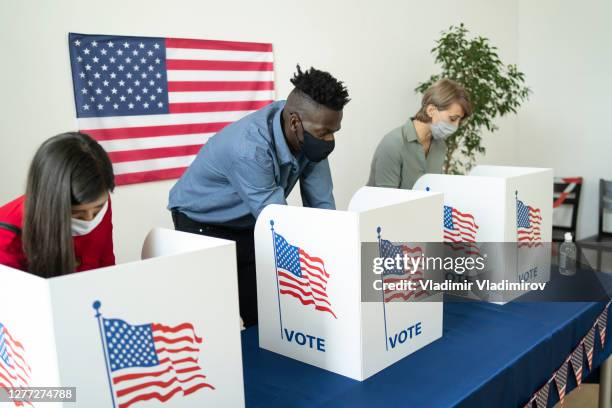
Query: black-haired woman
x=63, y=224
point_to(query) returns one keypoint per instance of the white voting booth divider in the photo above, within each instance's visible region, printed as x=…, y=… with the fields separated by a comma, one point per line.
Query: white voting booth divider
x=170, y=325
x=309, y=282
x=500, y=204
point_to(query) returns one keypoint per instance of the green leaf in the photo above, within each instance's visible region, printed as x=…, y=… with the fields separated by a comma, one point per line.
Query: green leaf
x=495, y=89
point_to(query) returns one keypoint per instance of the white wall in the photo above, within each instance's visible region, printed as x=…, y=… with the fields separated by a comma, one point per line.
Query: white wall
x=380, y=49
x=564, y=50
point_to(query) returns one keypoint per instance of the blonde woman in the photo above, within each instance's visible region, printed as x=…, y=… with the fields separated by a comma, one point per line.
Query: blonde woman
x=418, y=147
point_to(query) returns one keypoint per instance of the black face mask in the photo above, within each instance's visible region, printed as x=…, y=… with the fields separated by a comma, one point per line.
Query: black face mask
x=315, y=149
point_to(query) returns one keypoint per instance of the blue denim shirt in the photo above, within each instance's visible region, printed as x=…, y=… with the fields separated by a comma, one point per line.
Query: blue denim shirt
x=243, y=168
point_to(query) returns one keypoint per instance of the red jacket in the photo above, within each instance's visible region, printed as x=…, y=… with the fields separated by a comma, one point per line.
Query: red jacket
x=93, y=250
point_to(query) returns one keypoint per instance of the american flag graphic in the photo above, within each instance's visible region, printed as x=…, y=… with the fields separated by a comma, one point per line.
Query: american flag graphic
x=528, y=222
x=152, y=103
x=152, y=361
x=460, y=230
x=390, y=250
x=577, y=357
x=561, y=380
x=301, y=275
x=589, y=346
x=14, y=369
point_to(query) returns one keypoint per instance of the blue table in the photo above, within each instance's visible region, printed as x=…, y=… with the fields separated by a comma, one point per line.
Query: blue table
x=489, y=356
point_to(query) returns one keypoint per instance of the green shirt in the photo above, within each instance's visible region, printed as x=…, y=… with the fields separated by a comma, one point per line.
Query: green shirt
x=399, y=159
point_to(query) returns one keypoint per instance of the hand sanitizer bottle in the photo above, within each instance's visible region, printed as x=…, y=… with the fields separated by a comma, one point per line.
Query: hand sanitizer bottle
x=567, y=256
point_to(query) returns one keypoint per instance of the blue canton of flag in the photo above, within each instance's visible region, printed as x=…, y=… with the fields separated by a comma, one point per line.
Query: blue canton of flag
x=448, y=217
x=388, y=250
x=126, y=76
x=4, y=355
x=287, y=256
x=128, y=345
x=522, y=215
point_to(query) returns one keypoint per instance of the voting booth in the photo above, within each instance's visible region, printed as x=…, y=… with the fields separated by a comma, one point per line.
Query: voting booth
x=163, y=331
x=309, y=282
x=495, y=205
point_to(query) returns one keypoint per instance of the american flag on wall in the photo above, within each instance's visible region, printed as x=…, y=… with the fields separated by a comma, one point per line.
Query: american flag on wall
x=152, y=103
x=14, y=368
x=301, y=275
x=152, y=361
x=394, y=275
x=460, y=230
x=528, y=223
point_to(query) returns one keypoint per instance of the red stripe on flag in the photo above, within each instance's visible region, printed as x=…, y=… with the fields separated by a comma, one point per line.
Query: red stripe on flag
x=154, y=131
x=8, y=382
x=156, y=395
x=303, y=292
x=11, y=376
x=193, y=377
x=188, y=370
x=185, y=360
x=405, y=296
x=171, y=341
x=176, y=329
x=307, y=302
x=310, y=270
x=469, y=218
x=207, y=65
x=151, y=175
x=178, y=350
x=295, y=279
x=217, y=45
x=12, y=339
x=203, y=86
x=24, y=365
x=197, y=387
x=138, y=387
x=157, y=153
x=312, y=267
x=192, y=107
x=127, y=377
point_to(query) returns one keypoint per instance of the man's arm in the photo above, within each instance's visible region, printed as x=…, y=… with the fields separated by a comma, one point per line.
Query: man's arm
x=316, y=186
x=253, y=178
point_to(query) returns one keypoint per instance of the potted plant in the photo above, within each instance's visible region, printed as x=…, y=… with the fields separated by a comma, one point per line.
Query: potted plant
x=495, y=90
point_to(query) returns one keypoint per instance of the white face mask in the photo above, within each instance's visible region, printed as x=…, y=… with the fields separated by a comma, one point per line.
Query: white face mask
x=81, y=227
x=441, y=130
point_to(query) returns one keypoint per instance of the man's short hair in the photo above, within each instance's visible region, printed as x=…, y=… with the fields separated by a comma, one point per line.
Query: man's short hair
x=321, y=87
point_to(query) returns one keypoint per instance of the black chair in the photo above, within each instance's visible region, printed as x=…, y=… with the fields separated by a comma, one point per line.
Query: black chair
x=563, y=198
x=602, y=241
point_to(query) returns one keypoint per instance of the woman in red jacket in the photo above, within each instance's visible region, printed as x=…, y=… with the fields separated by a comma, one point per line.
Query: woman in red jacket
x=64, y=222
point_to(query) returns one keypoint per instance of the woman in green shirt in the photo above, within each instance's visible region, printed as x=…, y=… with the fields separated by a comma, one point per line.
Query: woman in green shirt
x=418, y=147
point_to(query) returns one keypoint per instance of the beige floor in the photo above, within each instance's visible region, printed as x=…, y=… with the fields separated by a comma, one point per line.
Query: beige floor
x=586, y=396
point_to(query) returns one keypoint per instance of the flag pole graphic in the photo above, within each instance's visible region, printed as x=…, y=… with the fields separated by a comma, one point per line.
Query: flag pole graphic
x=382, y=291
x=517, y=224
x=280, y=314
x=96, y=306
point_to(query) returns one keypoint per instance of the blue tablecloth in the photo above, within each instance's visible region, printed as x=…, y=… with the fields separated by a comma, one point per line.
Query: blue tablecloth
x=489, y=356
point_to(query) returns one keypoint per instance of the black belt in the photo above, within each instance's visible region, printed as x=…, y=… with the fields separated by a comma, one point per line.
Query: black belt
x=182, y=218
